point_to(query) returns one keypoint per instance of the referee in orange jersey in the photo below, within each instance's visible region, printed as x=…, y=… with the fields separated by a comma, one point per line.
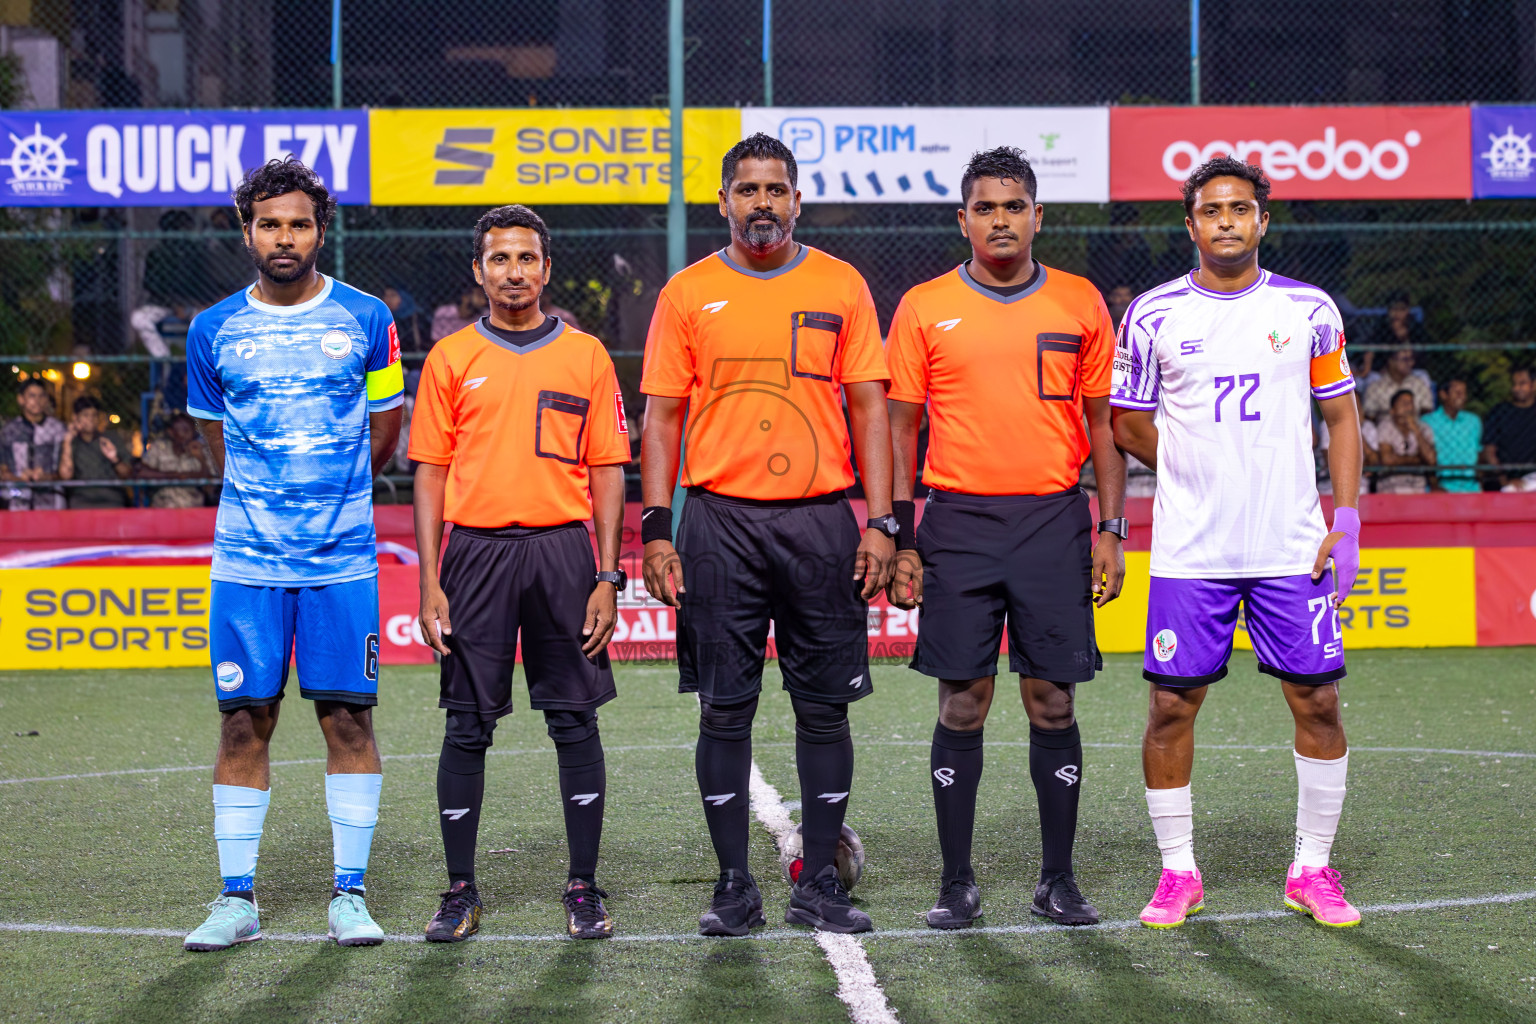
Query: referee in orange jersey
x=517, y=417
x=757, y=345
x=1010, y=357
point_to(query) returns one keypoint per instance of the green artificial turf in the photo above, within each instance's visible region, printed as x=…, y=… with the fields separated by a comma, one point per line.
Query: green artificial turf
x=1420, y=824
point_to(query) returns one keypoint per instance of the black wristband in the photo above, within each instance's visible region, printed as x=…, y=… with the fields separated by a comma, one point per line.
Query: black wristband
x=906, y=524
x=656, y=523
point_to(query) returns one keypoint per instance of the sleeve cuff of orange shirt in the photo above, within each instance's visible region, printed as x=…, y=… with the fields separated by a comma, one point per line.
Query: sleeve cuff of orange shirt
x=666, y=392
x=908, y=397
x=430, y=460
x=857, y=379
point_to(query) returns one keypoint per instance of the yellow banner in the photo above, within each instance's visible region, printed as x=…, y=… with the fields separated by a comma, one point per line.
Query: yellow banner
x=1404, y=597
x=130, y=617
x=531, y=155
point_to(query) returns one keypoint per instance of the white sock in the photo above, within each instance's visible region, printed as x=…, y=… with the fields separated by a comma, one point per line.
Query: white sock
x=1173, y=819
x=1319, y=801
x=353, y=803
x=238, y=815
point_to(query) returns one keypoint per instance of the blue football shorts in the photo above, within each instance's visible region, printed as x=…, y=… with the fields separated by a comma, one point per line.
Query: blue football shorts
x=255, y=631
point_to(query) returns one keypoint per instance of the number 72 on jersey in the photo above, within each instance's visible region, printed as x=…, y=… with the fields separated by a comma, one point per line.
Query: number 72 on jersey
x=1228, y=384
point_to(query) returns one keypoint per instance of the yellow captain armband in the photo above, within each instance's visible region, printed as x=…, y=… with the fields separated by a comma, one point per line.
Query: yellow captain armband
x=386, y=384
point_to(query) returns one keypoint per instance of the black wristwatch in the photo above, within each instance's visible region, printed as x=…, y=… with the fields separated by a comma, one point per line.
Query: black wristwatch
x=886, y=524
x=1119, y=527
x=619, y=579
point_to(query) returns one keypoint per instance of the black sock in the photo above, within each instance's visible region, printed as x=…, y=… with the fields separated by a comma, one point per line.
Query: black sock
x=583, y=786
x=955, y=763
x=1055, y=765
x=461, y=790
x=249, y=895
x=723, y=764
x=824, y=757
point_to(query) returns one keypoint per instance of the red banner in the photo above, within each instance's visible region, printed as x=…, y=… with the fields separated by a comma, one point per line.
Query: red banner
x=1307, y=152
x=1506, y=596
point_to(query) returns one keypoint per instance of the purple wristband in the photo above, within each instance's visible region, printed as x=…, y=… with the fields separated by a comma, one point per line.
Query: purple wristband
x=1346, y=520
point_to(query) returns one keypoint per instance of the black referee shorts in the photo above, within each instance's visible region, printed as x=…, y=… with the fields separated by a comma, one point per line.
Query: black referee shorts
x=531, y=579
x=1026, y=558
x=746, y=562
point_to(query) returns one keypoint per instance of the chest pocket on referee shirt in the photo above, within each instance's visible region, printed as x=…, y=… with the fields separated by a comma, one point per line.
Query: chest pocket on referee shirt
x=813, y=344
x=562, y=420
x=1056, y=361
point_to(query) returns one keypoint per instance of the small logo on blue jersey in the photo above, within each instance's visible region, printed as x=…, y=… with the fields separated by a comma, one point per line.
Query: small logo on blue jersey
x=335, y=344
x=229, y=676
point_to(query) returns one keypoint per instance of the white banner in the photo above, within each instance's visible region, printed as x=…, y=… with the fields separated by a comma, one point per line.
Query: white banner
x=917, y=154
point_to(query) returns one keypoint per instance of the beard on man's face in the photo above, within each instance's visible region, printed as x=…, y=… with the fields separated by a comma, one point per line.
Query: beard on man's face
x=283, y=273
x=764, y=231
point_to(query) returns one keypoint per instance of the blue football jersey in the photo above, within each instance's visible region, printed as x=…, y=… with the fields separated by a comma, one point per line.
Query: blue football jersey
x=294, y=386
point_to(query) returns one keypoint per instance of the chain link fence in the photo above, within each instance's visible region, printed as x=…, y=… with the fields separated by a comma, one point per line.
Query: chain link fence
x=108, y=292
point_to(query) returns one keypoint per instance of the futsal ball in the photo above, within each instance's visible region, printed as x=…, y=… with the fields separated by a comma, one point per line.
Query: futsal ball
x=849, y=860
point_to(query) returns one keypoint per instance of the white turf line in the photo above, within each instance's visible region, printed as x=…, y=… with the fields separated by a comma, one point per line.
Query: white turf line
x=1260, y=747
x=856, y=984
x=788, y=935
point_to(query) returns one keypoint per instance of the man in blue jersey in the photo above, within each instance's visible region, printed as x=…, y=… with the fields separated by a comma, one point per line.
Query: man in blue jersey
x=297, y=386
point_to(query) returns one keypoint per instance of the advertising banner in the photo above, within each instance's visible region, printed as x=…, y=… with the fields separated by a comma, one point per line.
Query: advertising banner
x=1503, y=161
x=128, y=617
x=1506, y=596
x=171, y=158
x=1404, y=597
x=533, y=156
x=1307, y=152
x=917, y=154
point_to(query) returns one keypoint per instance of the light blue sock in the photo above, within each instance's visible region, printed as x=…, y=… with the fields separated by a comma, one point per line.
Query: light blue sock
x=353, y=802
x=238, y=814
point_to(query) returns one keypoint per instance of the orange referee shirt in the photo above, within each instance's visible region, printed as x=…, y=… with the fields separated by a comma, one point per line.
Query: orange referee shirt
x=518, y=427
x=1004, y=378
x=761, y=358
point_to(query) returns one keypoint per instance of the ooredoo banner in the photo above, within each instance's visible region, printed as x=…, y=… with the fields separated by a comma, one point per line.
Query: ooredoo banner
x=171, y=158
x=1307, y=152
x=917, y=154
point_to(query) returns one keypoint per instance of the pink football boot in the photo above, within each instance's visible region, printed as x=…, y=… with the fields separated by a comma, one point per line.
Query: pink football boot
x=1179, y=894
x=1319, y=893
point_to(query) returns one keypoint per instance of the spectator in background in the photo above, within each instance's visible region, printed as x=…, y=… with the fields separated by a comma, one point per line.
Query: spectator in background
x=1399, y=329
x=93, y=453
x=1399, y=375
x=1509, y=436
x=402, y=306
x=1458, y=438
x=1370, y=449
x=451, y=317
x=31, y=448
x=1405, y=441
x=178, y=281
x=178, y=455
x=1119, y=299
x=229, y=262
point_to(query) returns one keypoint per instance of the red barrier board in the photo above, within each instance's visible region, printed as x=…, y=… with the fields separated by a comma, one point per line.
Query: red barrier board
x=1307, y=152
x=1506, y=596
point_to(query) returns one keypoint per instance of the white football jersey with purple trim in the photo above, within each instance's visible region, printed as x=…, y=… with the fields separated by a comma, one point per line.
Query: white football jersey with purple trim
x=1231, y=378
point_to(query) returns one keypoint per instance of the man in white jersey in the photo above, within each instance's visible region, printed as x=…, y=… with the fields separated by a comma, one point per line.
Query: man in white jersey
x=1214, y=377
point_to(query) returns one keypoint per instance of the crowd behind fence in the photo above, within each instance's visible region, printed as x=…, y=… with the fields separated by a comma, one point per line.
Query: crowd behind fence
x=94, y=302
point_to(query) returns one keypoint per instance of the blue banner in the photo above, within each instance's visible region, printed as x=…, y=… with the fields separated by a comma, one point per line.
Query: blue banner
x=171, y=158
x=1503, y=159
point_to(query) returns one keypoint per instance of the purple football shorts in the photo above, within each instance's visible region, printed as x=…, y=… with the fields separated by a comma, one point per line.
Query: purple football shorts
x=1290, y=619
